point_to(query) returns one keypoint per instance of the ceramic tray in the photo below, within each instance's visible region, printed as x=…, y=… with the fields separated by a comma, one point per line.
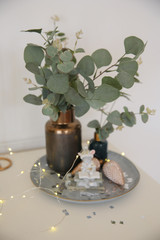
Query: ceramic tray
x=52, y=183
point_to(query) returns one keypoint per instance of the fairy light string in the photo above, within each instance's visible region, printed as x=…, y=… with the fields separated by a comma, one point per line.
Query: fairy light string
x=42, y=172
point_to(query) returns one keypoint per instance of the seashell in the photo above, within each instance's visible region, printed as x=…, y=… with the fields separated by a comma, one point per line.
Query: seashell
x=113, y=172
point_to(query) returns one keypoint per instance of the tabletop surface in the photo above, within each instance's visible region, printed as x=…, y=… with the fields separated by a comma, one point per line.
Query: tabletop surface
x=26, y=212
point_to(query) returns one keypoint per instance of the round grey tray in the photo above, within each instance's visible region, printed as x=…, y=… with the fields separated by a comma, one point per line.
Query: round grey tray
x=53, y=183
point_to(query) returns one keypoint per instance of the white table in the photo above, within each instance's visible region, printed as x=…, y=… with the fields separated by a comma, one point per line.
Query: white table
x=29, y=213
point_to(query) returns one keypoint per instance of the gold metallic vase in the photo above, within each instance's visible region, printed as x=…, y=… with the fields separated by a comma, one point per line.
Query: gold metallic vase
x=63, y=141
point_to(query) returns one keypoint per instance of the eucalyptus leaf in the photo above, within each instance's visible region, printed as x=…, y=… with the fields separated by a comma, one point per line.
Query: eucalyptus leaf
x=61, y=34
x=73, y=97
x=47, y=110
x=112, y=82
x=45, y=92
x=93, y=124
x=34, y=88
x=32, y=68
x=86, y=66
x=108, y=127
x=106, y=93
x=34, y=30
x=32, y=99
x=79, y=50
x=128, y=119
x=81, y=108
x=58, y=83
x=125, y=79
x=134, y=45
x=103, y=134
x=46, y=73
x=53, y=98
x=130, y=67
x=55, y=115
x=102, y=57
x=91, y=86
x=33, y=54
x=141, y=109
x=51, y=51
x=66, y=56
x=40, y=79
x=81, y=89
x=66, y=67
x=144, y=117
x=115, y=118
x=94, y=103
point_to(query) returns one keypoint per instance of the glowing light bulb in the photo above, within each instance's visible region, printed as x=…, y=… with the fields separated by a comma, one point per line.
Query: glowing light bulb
x=24, y=196
x=88, y=142
x=57, y=186
x=0, y=214
x=123, y=154
x=11, y=153
x=39, y=164
x=9, y=149
x=22, y=172
x=12, y=197
x=35, y=165
x=1, y=201
x=56, y=193
x=53, y=229
x=58, y=174
x=43, y=170
x=107, y=160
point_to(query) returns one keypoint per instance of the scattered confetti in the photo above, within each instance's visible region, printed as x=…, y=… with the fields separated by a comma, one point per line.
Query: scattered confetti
x=125, y=174
x=126, y=186
x=129, y=180
x=111, y=206
x=65, y=212
x=113, y=222
x=121, y=222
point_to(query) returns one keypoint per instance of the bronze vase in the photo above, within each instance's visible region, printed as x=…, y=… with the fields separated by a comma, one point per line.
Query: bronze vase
x=63, y=141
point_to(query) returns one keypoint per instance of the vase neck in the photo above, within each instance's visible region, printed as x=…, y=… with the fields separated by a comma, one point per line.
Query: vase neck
x=66, y=117
x=96, y=137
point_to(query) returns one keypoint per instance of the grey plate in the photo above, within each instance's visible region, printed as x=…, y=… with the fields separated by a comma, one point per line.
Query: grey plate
x=49, y=181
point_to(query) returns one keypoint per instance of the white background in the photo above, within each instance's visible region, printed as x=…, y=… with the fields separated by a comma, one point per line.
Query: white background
x=105, y=24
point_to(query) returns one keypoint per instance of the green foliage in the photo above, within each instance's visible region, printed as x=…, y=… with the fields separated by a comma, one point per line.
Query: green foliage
x=115, y=118
x=102, y=58
x=94, y=124
x=65, y=82
x=33, y=54
x=86, y=66
x=111, y=81
x=58, y=83
x=66, y=67
x=30, y=98
x=106, y=93
x=134, y=46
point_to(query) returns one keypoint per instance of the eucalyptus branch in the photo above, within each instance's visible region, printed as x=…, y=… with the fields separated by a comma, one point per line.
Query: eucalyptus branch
x=107, y=70
x=46, y=40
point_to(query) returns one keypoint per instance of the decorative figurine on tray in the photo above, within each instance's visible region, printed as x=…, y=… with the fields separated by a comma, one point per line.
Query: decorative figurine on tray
x=86, y=174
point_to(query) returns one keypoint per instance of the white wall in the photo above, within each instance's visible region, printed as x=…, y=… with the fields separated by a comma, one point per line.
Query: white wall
x=105, y=24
